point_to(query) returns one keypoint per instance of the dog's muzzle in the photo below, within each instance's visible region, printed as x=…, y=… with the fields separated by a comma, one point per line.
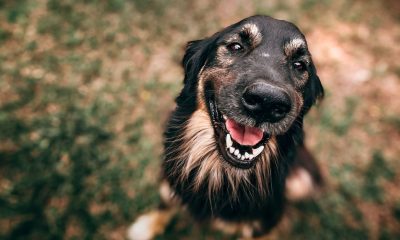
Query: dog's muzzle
x=265, y=102
x=239, y=144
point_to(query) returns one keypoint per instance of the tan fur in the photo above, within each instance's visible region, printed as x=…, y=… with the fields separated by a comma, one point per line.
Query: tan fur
x=149, y=225
x=299, y=185
x=246, y=229
x=167, y=194
x=153, y=223
x=251, y=31
x=254, y=34
x=223, y=57
x=200, y=90
x=291, y=47
x=300, y=84
x=299, y=102
x=200, y=151
x=218, y=75
x=225, y=227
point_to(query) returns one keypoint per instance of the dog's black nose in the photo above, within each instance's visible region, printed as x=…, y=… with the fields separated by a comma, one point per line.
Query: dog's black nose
x=265, y=102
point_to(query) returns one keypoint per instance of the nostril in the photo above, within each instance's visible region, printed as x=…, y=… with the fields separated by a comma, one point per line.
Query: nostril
x=279, y=111
x=281, y=108
x=251, y=100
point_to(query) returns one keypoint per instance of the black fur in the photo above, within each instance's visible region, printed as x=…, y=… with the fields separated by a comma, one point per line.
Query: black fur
x=249, y=204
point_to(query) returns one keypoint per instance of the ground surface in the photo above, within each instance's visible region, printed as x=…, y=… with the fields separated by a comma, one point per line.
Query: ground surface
x=86, y=87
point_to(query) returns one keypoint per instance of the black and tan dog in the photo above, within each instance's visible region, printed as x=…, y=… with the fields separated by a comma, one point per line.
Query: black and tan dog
x=234, y=147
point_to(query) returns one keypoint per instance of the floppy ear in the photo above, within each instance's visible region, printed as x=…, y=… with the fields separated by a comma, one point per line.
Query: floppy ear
x=313, y=90
x=193, y=59
x=196, y=55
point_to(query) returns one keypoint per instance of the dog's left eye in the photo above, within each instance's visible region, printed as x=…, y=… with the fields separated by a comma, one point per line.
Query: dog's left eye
x=234, y=47
x=299, y=66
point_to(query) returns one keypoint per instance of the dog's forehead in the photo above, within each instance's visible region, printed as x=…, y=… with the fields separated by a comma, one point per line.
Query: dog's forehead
x=269, y=32
x=269, y=26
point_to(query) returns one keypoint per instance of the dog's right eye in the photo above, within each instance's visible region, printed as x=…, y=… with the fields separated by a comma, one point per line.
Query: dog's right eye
x=299, y=66
x=235, y=47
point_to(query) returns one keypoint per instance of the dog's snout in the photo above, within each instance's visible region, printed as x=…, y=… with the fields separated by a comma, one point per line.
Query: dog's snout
x=265, y=102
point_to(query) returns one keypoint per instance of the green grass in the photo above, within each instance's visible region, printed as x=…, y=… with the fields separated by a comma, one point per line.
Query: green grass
x=86, y=88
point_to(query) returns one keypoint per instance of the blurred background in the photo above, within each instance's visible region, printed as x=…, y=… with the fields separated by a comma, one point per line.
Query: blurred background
x=86, y=88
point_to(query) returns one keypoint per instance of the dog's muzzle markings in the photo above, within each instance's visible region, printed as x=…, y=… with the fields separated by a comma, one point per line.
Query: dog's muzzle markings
x=243, y=144
x=234, y=145
x=239, y=144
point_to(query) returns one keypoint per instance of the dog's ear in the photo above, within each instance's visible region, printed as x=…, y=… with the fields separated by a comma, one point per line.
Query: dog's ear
x=194, y=58
x=196, y=55
x=313, y=91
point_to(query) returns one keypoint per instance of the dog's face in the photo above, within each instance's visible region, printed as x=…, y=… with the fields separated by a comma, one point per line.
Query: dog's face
x=254, y=79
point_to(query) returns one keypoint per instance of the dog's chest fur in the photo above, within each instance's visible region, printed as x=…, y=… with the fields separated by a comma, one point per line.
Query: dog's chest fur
x=211, y=188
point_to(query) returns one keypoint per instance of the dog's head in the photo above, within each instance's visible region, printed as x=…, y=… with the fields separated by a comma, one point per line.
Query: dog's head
x=254, y=79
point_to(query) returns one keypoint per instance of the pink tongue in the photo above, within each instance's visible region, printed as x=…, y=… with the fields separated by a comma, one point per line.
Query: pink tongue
x=242, y=134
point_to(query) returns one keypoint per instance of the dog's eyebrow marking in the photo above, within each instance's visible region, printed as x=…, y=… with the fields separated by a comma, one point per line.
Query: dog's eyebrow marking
x=251, y=31
x=293, y=45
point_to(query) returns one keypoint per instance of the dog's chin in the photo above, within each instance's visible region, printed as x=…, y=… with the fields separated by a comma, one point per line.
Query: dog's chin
x=240, y=146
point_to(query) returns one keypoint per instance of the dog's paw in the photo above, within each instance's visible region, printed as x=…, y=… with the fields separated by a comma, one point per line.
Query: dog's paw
x=149, y=225
x=299, y=185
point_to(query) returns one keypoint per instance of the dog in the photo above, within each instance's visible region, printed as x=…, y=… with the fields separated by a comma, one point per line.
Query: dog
x=234, y=145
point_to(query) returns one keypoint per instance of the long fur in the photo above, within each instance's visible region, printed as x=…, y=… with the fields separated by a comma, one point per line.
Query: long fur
x=194, y=168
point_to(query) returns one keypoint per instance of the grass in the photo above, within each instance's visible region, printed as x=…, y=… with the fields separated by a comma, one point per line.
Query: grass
x=86, y=87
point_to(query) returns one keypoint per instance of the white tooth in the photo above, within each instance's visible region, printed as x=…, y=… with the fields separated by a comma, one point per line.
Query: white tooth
x=228, y=141
x=239, y=156
x=242, y=157
x=231, y=149
x=246, y=155
x=236, y=152
x=224, y=117
x=258, y=151
x=251, y=156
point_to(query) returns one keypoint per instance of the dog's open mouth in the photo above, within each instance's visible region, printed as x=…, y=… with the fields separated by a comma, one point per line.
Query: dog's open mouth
x=238, y=144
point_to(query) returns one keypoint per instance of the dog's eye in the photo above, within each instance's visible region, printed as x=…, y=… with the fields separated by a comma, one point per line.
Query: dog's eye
x=234, y=47
x=299, y=66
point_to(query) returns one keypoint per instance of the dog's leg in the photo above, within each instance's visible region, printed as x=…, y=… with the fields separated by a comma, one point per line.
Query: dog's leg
x=247, y=230
x=153, y=223
x=228, y=228
x=304, y=176
x=244, y=229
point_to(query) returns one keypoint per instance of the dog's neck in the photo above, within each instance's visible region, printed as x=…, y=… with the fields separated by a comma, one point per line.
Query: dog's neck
x=196, y=170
